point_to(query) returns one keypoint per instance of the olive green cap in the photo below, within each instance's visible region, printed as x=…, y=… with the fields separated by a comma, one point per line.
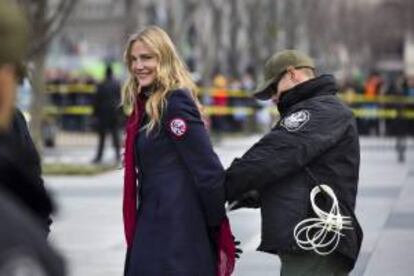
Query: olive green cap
x=13, y=33
x=276, y=66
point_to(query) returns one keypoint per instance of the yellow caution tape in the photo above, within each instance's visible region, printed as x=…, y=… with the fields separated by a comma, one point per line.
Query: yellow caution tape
x=71, y=88
x=210, y=91
x=364, y=113
x=225, y=110
x=408, y=114
x=349, y=98
x=375, y=112
x=77, y=110
x=69, y=110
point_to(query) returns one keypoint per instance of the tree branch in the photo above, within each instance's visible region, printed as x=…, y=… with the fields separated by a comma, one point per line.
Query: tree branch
x=61, y=9
x=51, y=33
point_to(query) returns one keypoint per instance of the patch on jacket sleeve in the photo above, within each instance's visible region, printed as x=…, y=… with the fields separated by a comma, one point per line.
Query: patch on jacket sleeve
x=296, y=120
x=178, y=127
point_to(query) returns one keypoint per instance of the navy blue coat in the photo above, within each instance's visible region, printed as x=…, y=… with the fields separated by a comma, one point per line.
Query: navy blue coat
x=181, y=195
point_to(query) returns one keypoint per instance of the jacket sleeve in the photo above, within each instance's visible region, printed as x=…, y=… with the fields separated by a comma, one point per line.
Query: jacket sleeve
x=286, y=149
x=185, y=128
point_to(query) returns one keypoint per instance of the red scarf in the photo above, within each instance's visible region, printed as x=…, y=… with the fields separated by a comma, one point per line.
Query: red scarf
x=226, y=248
x=129, y=207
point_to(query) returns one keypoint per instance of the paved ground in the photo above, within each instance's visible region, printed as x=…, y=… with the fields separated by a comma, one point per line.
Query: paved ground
x=88, y=229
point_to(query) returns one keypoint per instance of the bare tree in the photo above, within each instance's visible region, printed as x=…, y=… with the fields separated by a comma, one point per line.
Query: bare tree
x=207, y=23
x=46, y=19
x=234, y=51
x=131, y=20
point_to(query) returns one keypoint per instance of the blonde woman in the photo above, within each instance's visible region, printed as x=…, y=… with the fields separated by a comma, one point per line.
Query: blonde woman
x=174, y=214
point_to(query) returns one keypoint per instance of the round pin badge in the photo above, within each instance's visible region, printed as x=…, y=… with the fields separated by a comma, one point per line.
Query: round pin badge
x=296, y=120
x=178, y=127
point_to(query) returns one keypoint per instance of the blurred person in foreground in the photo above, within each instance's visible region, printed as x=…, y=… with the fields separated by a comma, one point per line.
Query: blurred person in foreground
x=315, y=142
x=174, y=215
x=24, y=203
x=18, y=132
x=107, y=111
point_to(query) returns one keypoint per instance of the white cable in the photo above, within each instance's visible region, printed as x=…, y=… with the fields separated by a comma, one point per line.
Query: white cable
x=230, y=206
x=322, y=234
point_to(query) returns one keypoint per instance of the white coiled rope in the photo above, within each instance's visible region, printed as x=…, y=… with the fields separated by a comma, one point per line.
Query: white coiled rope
x=322, y=234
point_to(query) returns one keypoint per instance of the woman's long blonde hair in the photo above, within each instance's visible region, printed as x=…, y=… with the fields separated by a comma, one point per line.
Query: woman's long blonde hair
x=171, y=74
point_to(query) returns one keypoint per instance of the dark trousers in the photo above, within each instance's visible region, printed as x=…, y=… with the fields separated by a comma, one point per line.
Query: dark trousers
x=102, y=131
x=311, y=264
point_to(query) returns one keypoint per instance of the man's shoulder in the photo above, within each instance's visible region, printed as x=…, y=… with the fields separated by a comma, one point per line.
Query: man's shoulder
x=328, y=106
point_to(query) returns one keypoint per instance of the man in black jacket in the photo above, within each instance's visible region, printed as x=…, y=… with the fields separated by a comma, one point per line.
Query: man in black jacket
x=315, y=142
x=106, y=112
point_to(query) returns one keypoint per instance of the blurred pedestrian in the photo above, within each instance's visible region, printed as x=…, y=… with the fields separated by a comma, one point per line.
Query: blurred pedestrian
x=106, y=112
x=316, y=141
x=220, y=101
x=24, y=204
x=373, y=87
x=408, y=86
x=180, y=227
x=19, y=135
x=248, y=79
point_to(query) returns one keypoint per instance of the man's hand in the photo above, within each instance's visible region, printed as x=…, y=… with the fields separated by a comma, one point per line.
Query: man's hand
x=251, y=199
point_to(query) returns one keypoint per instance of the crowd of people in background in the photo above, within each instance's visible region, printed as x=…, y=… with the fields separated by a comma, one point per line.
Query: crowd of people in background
x=376, y=84
x=385, y=101
x=230, y=107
